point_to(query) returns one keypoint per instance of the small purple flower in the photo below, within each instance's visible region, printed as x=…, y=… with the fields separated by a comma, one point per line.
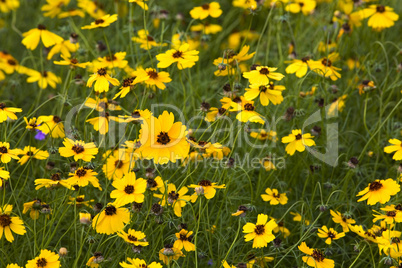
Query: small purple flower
x=40, y=135
x=210, y=262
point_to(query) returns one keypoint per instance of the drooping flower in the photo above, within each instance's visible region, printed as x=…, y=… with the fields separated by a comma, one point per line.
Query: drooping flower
x=71, y=62
x=329, y=234
x=381, y=17
x=33, y=36
x=316, y=258
x=298, y=67
x=212, y=9
x=9, y=5
x=379, y=191
x=133, y=237
x=297, y=141
x=54, y=181
x=135, y=263
x=65, y=48
x=111, y=220
x=129, y=189
x=305, y=6
x=6, y=154
x=274, y=197
x=169, y=253
x=208, y=188
x=102, y=22
x=102, y=80
x=8, y=112
x=344, y=220
x=82, y=177
x=10, y=224
x=395, y=147
x=173, y=197
x=261, y=232
x=43, y=79
x=29, y=152
x=78, y=149
x=52, y=124
x=53, y=7
x=145, y=40
x=325, y=67
x=268, y=93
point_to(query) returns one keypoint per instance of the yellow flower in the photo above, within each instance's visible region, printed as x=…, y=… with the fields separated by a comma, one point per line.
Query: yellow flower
x=298, y=217
x=4, y=175
x=337, y=105
x=262, y=74
x=53, y=7
x=298, y=67
x=92, y=8
x=52, y=124
x=95, y=260
x=206, y=28
x=129, y=83
x=9, y=5
x=29, y=152
x=245, y=4
x=267, y=93
x=365, y=86
x=102, y=79
x=135, y=263
x=111, y=220
x=381, y=17
x=393, y=214
x=13, y=265
x=8, y=112
x=71, y=13
x=261, y=232
x=157, y=78
x=103, y=22
x=71, y=62
x=78, y=149
x=46, y=259
x=44, y=78
x=163, y=140
x=102, y=104
x=208, y=188
x=329, y=234
x=212, y=9
x=169, y=253
x=82, y=177
x=184, y=240
x=264, y=135
x=133, y=237
x=129, y=189
x=146, y=41
x=344, y=220
x=267, y=164
x=118, y=164
x=379, y=191
x=366, y=234
x=141, y=3
x=9, y=224
x=6, y=153
x=305, y=6
x=137, y=116
x=390, y=243
x=259, y=262
x=184, y=57
x=174, y=198
x=324, y=67
x=64, y=47
x=54, y=181
x=33, y=36
x=247, y=113
x=116, y=61
x=85, y=218
x=298, y=141
x=101, y=123
x=395, y=147
x=274, y=197
x=79, y=201
x=315, y=258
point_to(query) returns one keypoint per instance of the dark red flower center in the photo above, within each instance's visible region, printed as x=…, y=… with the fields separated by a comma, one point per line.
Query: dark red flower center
x=163, y=138
x=375, y=186
x=78, y=148
x=129, y=189
x=110, y=210
x=5, y=220
x=259, y=229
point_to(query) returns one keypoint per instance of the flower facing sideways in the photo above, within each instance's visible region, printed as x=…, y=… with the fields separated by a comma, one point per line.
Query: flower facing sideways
x=10, y=224
x=111, y=220
x=315, y=258
x=379, y=191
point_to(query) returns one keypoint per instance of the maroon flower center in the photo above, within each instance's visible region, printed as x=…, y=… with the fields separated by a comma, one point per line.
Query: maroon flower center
x=163, y=138
x=380, y=9
x=177, y=54
x=205, y=6
x=264, y=71
x=205, y=183
x=152, y=74
x=375, y=186
x=81, y=172
x=326, y=62
x=5, y=220
x=129, y=189
x=110, y=210
x=318, y=255
x=248, y=107
x=41, y=27
x=259, y=229
x=78, y=148
x=3, y=150
x=41, y=262
x=118, y=164
x=99, y=21
x=102, y=71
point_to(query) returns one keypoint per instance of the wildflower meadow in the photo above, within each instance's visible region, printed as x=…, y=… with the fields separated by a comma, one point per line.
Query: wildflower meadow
x=173, y=133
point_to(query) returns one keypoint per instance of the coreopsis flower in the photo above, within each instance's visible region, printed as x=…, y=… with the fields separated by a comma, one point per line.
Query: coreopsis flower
x=262, y=74
x=80, y=201
x=32, y=123
x=175, y=198
x=344, y=220
x=381, y=17
x=262, y=135
x=134, y=263
x=71, y=13
x=392, y=214
x=395, y=147
x=206, y=28
x=184, y=240
x=329, y=234
x=137, y=116
x=212, y=9
x=247, y=113
x=33, y=36
x=209, y=188
x=298, y=141
x=390, y=243
x=52, y=124
x=325, y=67
x=95, y=260
x=29, y=152
x=225, y=264
x=65, y=48
x=261, y=232
x=129, y=83
x=82, y=177
x=145, y=40
x=46, y=259
x=129, y=189
x=116, y=60
x=231, y=60
x=102, y=22
x=169, y=253
x=316, y=258
x=298, y=217
x=10, y=224
x=298, y=67
x=133, y=237
x=268, y=93
x=184, y=57
x=163, y=140
x=325, y=46
x=34, y=207
x=8, y=112
x=44, y=79
x=102, y=105
x=54, y=181
x=144, y=6
x=245, y=4
x=78, y=149
x=305, y=6
x=379, y=191
x=156, y=78
x=364, y=233
x=281, y=228
x=52, y=8
x=85, y=218
x=267, y=164
x=241, y=211
x=6, y=153
x=10, y=65
x=9, y=5
x=365, y=85
x=118, y=164
x=274, y=197
x=155, y=184
x=13, y=265
x=102, y=80
x=71, y=62
x=4, y=175
x=92, y=8
x=337, y=105
x=111, y=220
x=101, y=123
x=259, y=262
